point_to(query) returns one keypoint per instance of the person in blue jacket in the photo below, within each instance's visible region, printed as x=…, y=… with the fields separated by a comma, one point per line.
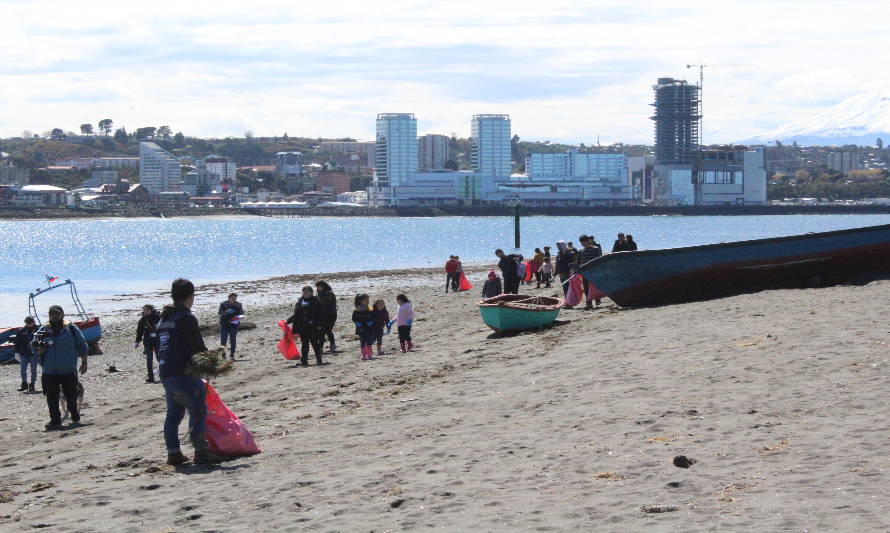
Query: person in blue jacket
x=59, y=344
x=228, y=331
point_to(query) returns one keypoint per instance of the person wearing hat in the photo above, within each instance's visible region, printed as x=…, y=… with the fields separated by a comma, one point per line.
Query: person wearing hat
x=59, y=344
x=492, y=286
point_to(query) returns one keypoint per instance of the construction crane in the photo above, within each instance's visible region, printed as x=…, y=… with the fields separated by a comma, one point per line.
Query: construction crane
x=701, y=92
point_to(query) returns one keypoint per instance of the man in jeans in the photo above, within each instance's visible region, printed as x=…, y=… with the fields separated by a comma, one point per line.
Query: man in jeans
x=452, y=273
x=179, y=338
x=26, y=357
x=229, y=313
x=59, y=344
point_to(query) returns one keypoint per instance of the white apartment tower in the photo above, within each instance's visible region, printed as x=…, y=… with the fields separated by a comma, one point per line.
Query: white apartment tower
x=159, y=171
x=396, y=156
x=490, y=145
x=432, y=152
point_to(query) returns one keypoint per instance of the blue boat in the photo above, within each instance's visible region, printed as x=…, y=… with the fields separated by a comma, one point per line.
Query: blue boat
x=89, y=325
x=654, y=277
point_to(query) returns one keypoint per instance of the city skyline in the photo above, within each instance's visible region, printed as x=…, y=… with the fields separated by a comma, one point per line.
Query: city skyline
x=564, y=72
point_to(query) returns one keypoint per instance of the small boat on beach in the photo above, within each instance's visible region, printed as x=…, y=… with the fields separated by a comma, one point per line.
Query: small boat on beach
x=515, y=312
x=654, y=277
x=88, y=324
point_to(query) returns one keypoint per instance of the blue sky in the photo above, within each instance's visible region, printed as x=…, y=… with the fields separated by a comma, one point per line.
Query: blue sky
x=564, y=70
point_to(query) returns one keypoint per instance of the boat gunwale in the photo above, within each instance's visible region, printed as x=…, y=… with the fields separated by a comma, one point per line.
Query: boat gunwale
x=539, y=308
x=732, y=244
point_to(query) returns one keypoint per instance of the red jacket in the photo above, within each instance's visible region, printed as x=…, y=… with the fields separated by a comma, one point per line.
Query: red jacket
x=452, y=266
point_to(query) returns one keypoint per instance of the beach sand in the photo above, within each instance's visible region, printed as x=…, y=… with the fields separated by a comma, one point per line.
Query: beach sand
x=779, y=396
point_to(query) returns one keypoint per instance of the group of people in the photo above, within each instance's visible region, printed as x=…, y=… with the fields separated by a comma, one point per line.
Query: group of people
x=313, y=319
x=569, y=261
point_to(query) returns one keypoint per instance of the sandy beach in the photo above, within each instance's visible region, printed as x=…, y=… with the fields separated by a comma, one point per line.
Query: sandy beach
x=779, y=396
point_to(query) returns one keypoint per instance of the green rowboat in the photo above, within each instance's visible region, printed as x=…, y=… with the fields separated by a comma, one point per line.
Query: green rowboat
x=515, y=312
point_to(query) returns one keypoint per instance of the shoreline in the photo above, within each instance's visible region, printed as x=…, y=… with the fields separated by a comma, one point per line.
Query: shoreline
x=46, y=214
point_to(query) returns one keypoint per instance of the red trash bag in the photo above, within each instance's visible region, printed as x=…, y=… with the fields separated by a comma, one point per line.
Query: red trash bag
x=528, y=272
x=576, y=291
x=594, y=293
x=286, y=345
x=226, y=434
x=465, y=284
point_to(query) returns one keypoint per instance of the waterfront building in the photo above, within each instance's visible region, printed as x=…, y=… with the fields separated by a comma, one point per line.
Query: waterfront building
x=40, y=195
x=289, y=163
x=395, y=156
x=604, y=168
x=99, y=162
x=432, y=152
x=333, y=182
x=200, y=182
x=224, y=168
x=159, y=170
x=676, y=121
x=490, y=148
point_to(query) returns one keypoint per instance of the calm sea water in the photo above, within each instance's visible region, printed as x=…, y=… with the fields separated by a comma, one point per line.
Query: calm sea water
x=108, y=257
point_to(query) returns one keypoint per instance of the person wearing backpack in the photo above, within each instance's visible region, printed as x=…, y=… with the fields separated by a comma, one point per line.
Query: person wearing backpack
x=59, y=344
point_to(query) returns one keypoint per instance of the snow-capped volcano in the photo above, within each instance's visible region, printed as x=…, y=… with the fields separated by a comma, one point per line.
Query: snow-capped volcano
x=857, y=120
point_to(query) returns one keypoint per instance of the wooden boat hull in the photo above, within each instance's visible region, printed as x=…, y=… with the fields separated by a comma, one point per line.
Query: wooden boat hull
x=654, y=277
x=499, y=315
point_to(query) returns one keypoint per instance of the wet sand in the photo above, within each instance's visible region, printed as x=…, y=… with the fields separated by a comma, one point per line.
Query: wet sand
x=780, y=397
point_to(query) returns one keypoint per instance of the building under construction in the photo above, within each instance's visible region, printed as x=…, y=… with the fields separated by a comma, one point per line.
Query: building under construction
x=676, y=117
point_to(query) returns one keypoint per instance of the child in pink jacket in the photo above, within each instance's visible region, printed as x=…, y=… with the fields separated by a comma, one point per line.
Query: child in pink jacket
x=404, y=320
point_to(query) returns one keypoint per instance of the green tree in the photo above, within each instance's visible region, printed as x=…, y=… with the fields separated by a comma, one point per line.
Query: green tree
x=147, y=132
x=105, y=125
x=57, y=134
x=164, y=132
x=86, y=129
x=179, y=139
x=120, y=135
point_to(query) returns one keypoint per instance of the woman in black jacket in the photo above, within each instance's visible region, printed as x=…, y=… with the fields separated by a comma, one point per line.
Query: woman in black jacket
x=327, y=302
x=307, y=323
x=147, y=335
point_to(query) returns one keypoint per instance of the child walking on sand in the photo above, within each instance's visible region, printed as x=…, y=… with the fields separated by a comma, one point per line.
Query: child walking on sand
x=381, y=319
x=546, y=273
x=404, y=321
x=363, y=318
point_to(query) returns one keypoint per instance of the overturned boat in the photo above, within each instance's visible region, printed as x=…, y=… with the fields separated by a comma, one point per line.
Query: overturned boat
x=654, y=277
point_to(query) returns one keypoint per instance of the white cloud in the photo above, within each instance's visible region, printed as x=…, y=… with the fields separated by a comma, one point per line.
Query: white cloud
x=564, y=70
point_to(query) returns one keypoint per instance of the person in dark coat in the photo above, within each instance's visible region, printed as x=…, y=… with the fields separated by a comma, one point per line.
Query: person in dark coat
x=327, y=302
x=620, y=244
x=565, y=259
x=630, y=244
x=507, y=264
x=591, y=251
x=27, y=358
x=229, y=321
x=147, y=335
x=492, y=286
x=307, y=323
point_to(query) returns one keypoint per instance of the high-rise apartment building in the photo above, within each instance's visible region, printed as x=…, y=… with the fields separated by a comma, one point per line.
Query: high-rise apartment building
x=490, y=145
x=396, y=155
x=676, y=122
x=223, y=168
x=843, y=161
x=159, y=171
x=432, y=152
x=289, y=163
